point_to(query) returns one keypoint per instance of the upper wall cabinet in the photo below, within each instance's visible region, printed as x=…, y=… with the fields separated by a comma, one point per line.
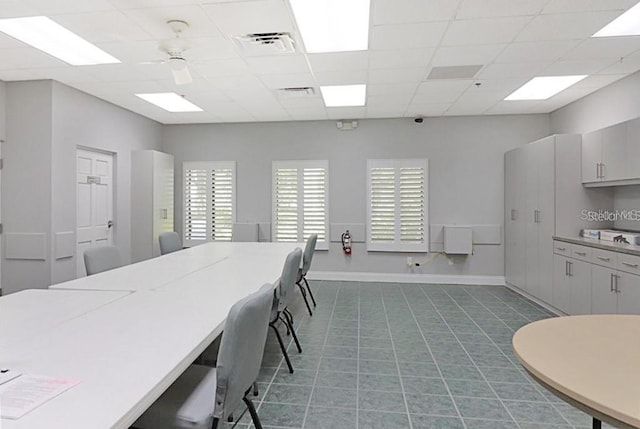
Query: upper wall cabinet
x=610, y=156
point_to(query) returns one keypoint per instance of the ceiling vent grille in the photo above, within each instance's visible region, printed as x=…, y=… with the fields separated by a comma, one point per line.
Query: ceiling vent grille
x=297, y=92
x=454, y=72
x=266, y=43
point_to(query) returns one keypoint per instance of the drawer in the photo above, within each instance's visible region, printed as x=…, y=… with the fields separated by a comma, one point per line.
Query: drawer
x=606, y=258
x=561, y=248
x=582, y=253
x=629, y=263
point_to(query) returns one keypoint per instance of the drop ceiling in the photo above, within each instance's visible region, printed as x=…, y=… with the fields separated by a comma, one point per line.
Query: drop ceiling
x=510, y=40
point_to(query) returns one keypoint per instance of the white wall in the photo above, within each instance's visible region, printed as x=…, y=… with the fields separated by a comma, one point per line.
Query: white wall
x=465, y=161
x=46, y=121
x=618, y=102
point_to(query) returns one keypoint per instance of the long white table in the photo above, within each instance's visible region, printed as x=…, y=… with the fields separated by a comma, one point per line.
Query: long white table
x=126, y=353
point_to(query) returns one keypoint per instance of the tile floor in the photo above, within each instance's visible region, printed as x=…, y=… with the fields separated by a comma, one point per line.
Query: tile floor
x=383, y=356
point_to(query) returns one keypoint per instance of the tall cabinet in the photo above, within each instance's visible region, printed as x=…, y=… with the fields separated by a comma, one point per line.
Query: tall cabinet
x=151, y=201
x=544, y=197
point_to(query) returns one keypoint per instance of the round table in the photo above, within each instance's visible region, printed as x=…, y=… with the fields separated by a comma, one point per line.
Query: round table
x=592, y=362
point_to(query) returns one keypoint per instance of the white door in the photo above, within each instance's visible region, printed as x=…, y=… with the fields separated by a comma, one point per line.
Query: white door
x=94, y=220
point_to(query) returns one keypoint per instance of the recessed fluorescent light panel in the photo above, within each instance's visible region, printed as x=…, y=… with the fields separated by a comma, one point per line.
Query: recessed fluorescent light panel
x=627, y=24
x=50, y=37
x=170, y=101
x=333, y=25
x=541, y=88
x=344, y=95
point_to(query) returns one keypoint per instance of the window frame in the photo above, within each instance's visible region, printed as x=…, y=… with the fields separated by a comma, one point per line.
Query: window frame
x=209, y=166
x=300, y=166
x=397, y=245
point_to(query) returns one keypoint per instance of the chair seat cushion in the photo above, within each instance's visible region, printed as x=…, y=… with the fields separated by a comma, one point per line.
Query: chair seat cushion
x=187, y=404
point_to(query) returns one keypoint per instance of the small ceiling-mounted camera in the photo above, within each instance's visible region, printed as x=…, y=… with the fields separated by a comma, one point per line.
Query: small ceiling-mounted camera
x=418, y=120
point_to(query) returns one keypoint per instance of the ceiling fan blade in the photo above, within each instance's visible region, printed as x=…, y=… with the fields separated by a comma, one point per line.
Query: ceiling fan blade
x=182, y=76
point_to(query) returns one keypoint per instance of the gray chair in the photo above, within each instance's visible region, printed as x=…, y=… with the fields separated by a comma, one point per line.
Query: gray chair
x=281, y=299
x=103, y=258
x=309, y=249
x=203, y=396
x=169, y=242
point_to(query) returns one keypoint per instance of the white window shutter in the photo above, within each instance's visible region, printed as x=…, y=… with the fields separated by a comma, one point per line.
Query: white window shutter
x=209, y=201
x=301, y=201
x=397, y=206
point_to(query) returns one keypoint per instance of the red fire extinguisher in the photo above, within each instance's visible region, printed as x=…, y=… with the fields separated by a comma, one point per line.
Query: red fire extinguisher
x=346, y=243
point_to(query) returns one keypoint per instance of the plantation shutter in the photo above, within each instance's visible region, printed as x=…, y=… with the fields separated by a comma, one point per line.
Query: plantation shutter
x=300, y=201
x=209, y=201
x=397, y=206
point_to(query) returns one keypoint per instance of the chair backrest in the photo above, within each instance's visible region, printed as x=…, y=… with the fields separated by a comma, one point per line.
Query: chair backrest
x=103, y=258
x=309, y=248
x=288, y=278
x=241, y=349
x=169, y=242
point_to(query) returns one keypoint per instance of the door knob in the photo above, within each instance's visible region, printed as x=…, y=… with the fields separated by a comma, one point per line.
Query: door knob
x=110, y=224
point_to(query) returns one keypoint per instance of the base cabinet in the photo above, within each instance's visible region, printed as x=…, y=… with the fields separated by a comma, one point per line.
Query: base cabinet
x=604, y=297
x=571, y=285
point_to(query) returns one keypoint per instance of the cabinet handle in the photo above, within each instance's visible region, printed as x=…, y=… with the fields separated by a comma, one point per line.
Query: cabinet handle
x=597, y=170
x=602, y=167
x=536, y=216
x=566, y=268
x=562, y=249
x=513, y=214
x=630, y=265
x=611, y=289
x=570, y=270
x=581, y=253
x=616, y=277
x=604, y=259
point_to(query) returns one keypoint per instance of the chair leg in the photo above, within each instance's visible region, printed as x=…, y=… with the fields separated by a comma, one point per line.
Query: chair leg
x=309, y=289
x=289, y=321
x=282, y=347
x=255, y=388
x=252, y=411
x=304, y=296
x=285, y=321
x=214, y=425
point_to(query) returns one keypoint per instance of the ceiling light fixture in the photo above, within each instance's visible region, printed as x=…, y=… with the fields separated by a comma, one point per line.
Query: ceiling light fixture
x=48, y=36
x=170, y=101
x=543, y=87
x=333, y=25
x=344, y=95
x=627, y=24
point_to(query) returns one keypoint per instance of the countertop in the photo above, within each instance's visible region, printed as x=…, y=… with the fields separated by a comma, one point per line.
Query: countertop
x=600, y=244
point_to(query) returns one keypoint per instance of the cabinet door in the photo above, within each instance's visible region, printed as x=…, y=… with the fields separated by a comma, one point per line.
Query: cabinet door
x=162, y=197
x=561, y=298
x=530, y=191
x=580, y=273
x=628, y=293
x=633, y=149
x=513, y=257
x=603, y=299
x=614, y=152
x=545, y=158
x=591, y=156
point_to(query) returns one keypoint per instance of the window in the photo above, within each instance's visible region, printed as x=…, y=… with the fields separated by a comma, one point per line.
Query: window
x=397, y=205
x=209, y=201
x=300, y=200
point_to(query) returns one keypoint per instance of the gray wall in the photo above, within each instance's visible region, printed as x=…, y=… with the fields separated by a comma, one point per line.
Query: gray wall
x=465, y=161
x=618, y=102
x=46, y=121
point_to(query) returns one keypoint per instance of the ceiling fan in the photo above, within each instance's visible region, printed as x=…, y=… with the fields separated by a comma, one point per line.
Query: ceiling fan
x=174, y=49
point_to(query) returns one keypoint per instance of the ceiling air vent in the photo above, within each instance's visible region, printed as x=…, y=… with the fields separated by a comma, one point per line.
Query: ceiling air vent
x=265, y=43
x=297, y=92
x=454, y=72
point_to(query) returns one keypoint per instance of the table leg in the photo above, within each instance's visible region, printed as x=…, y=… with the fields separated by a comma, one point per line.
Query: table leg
x=597, y=424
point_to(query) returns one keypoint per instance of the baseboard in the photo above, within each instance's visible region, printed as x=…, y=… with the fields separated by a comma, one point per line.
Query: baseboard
x=534, y=299
x=406, y=278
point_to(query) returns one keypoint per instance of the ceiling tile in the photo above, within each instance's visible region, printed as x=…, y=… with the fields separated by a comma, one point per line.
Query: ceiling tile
x=241, y=81
x=606, y=47
x=387, y=101
x=222, y=68
x=154, y=21
x=116, y=72
x=564, y=6
x=12, y=9
x=105, y=26
x=350, y=77
x=498, y=8
x=139, y=4
x=444, y=91
x=310, y=103
x=561, y=68
x=66, y=75
x=390, y=89
x=427, y=109
x=512, y=107
x=294, y=80
x=524, y=52
x=196, y=87
x=407, y=36
x=411, y=11
x=512, y=70
x=505, y=86
x=118, y=89
x=400, y=58
x=484, y=31
x=629, y=64
x=338, y=61
x=278, y=64
x=565, y=26
x=239, y=18
x=396, y=75
x=597, y=81
x=346, y=112
x=11, y=75
x=27, y=58
x=385, y=114
x=49, y=8
x=308, y=114
x=464, y=55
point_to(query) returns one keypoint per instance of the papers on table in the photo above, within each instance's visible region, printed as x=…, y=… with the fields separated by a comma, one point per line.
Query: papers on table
x=28, y=392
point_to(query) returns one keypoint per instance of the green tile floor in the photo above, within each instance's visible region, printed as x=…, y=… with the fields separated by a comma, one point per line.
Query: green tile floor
x=383, y=356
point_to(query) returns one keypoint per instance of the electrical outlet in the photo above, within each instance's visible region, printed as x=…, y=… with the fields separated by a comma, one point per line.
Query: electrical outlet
x=409, y=261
